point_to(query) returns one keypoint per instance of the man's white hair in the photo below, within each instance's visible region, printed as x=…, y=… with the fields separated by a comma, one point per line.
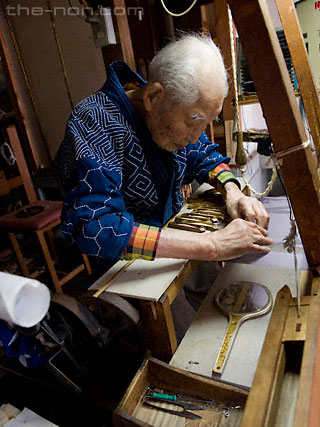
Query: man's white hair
x=185, y=65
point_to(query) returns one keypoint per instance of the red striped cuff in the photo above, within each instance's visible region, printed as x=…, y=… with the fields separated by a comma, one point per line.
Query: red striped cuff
x=220, y=175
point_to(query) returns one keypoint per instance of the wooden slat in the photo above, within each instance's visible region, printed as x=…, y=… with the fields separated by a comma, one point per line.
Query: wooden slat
x=296, y=326
x=308, y=90
x=177, y=284
x=274, y=89
x=207, y=18
x=4, y=185
x=223, y=37
x=21, y=162
x=260, y=402
x=15, y=182
x=72, y=274
x=124, y=34
x=275, y=392
x=308, y=410
x=160, y=327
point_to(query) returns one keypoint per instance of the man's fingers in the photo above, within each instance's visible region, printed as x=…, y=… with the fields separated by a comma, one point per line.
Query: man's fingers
x=261, y=249
x=263, y=241
x=254, y=211
x=259, y=216
x=263, y=220
x=257, y=227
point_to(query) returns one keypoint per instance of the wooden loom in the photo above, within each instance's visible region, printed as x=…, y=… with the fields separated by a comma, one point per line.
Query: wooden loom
x=292, y=343
x=288, y=337
x=275, y=93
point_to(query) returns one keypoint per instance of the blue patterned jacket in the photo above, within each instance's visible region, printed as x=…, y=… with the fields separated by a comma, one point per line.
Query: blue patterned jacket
x=113, y=174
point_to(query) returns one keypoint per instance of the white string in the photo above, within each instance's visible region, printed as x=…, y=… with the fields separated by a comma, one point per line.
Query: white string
x=269, y=186
x=275, y=157
x=9, y=158
x=178, y=14
x=234, y=75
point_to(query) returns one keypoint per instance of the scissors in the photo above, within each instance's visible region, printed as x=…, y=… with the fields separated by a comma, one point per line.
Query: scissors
x=186, y=407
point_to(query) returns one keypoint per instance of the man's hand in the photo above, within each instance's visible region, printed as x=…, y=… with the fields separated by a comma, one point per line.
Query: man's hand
x=239, y=238
x=248, y=208
x=245, y=234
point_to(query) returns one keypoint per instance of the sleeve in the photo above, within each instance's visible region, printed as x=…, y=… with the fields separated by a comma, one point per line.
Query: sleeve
x=220, y=175
x=143, y=242
x=206, y=164
x=94, y=215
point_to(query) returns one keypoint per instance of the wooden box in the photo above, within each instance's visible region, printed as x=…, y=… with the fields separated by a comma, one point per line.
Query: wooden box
x=228, y=400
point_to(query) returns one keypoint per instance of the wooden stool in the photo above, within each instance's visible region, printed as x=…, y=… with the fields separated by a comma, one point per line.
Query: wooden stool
x=40, y=218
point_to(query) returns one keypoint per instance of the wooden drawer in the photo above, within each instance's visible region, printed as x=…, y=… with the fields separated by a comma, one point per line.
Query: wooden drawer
x=153, y=372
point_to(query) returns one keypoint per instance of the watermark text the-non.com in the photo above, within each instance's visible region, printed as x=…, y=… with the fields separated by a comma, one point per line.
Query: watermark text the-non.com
x=20, y=10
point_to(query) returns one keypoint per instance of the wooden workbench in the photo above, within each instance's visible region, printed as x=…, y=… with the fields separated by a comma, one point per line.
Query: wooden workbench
x=156, y=284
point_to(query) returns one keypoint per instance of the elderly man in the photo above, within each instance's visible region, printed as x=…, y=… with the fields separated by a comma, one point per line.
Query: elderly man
x=128, y=149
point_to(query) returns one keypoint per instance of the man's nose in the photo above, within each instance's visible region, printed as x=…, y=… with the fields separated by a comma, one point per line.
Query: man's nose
x=194, y=137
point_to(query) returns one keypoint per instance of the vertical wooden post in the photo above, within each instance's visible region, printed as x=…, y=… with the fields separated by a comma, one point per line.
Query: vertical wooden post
x=276, y=95
x=307, y=410
x=223, y=37
x=21, y=163
x=124, y=32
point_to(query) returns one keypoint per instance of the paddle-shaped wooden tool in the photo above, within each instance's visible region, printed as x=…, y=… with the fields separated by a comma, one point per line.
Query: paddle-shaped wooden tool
x=239, y=302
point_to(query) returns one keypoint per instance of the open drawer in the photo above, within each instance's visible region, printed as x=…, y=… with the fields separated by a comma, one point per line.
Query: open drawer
x=227, y=400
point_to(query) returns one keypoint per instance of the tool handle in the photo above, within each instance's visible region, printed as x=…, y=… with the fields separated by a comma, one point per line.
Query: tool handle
x=226, y=346
x=165, y=396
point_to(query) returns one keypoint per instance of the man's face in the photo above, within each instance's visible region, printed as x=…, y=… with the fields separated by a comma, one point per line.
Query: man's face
x=174, y=126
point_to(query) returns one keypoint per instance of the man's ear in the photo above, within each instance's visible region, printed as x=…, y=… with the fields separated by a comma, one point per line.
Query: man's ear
x=152, y=95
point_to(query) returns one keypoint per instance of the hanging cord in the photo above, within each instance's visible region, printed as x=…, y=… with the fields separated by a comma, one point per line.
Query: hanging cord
x=269, y=185
x=289, y=243
x=54, y=29
x=23, y=68
x=240, y=150
x=234, y=72
x=178, y=14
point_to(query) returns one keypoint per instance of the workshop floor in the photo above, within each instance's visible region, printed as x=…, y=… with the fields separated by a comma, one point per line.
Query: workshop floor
x=54, y=405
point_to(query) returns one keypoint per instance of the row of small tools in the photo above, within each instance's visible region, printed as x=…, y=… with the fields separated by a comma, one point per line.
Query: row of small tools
x=203, y=216
x=182, y=405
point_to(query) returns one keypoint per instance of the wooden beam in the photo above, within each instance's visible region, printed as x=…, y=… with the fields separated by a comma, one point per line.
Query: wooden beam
x=158, y=319
x=223, y=37
x=21, y=163
x=275, y=92
x=208, y=18
x=259, y=409
x=307, y=412
x=124, y=33
x=308, y=90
